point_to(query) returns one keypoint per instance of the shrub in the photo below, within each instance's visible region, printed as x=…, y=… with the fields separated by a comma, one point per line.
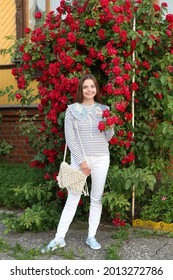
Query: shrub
x=5, y=148
x=159, y=206
x=17, y=176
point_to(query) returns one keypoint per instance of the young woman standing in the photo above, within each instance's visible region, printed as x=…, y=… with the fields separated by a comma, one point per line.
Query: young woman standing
x=86, y=113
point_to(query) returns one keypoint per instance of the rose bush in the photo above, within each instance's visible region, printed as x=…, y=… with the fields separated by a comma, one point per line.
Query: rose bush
x=128, y=46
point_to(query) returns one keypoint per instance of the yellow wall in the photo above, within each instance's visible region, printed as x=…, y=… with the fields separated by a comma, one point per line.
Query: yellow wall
x=7, y=28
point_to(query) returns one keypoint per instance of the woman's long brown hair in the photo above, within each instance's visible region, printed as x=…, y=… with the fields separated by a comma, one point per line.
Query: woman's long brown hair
x=79, y=95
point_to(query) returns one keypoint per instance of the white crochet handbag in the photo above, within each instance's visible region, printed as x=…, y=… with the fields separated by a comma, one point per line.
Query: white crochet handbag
x=70, y=178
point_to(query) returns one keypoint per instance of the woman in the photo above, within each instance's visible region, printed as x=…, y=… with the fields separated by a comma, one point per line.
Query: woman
x=86, y=113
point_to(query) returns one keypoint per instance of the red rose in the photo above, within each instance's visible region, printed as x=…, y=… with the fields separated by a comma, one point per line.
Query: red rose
x=26, y=57
x=156, y=7
x=81, y=42
x=106, y=113
x=38, y=15
x=101, y=34
x=119, y=80
x=169, y=33
x=127, y=116
x=27, y=30
x=159, y=95
x=146, y=65
x=101, y=126
x=156, y=74
x=134, y=86
x=114, y=141
x=110, y=121
x=90, y=22
x=121, y=106
x=60, y=194
x=47, y=176
x=61, y=41
x=18, y=96
x=121, y=132
x=88, y=61
x=127, y=66
x=71, y=37
x=14, y=72
x=116, y=119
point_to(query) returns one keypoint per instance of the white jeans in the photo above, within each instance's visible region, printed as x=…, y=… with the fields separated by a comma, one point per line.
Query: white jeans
x=99, y=167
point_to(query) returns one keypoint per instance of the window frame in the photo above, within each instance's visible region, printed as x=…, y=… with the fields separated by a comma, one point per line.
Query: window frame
x=22, y=16
x=19, y=19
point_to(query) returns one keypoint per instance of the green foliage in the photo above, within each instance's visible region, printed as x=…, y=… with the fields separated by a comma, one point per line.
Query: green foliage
x=25, y=188
x=114, y=203
x=40, y=216
x=119, y=185
x=30, y=193
x=9, y=91
x=16, y=179
x=4, y=246
x=159, y=207
x=124, y=179
x=5, y=148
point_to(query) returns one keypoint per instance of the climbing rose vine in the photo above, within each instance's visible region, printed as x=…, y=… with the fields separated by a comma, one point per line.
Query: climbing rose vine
x=128, y=46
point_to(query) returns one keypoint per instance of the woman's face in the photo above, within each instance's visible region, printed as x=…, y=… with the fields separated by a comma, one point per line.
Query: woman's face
x=89, y=91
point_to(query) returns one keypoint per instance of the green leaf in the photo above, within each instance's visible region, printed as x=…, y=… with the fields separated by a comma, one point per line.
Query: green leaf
x=163, y=79
x=128, y=184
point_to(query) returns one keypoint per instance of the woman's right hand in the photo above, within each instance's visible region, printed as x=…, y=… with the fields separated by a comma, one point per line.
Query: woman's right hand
x=85, y=169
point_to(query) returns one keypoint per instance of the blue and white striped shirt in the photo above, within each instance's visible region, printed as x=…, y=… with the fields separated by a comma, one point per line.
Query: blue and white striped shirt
x=94, y=142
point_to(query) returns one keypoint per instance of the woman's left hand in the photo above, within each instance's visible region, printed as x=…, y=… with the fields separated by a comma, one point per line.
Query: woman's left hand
x=111, y=126
x=85, y=169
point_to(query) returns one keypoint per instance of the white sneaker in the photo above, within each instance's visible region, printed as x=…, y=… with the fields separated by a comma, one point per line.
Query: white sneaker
x=54, y=244
x=92, y=242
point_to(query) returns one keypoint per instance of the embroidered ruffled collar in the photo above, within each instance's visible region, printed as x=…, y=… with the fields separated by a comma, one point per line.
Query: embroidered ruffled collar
x=81, y=111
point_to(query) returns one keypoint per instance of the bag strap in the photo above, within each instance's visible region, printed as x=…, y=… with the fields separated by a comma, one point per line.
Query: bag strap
x=65, y=150
x=79, y=138
x=86, y=192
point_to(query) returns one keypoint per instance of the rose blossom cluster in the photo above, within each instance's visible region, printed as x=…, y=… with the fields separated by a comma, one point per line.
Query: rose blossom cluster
x=118, y=222
x=122, y=138
x=109, y=118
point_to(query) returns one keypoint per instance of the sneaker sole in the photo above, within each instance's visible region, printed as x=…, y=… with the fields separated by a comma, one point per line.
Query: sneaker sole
x=98, y=248
x=58, y=246
x=44, y=251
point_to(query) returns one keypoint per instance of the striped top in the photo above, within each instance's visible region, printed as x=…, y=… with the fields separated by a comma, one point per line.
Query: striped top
x=94, y=142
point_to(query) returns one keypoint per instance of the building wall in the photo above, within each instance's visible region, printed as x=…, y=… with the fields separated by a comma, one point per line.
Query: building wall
x=10, y=132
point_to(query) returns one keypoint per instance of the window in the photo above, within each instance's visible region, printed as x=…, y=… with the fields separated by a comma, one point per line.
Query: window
x=169, y=2
x=170, y=6
x=39, y=6
x=26, y=9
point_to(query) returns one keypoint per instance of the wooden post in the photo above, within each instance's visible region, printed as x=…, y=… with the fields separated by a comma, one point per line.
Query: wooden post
x=133, y=117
